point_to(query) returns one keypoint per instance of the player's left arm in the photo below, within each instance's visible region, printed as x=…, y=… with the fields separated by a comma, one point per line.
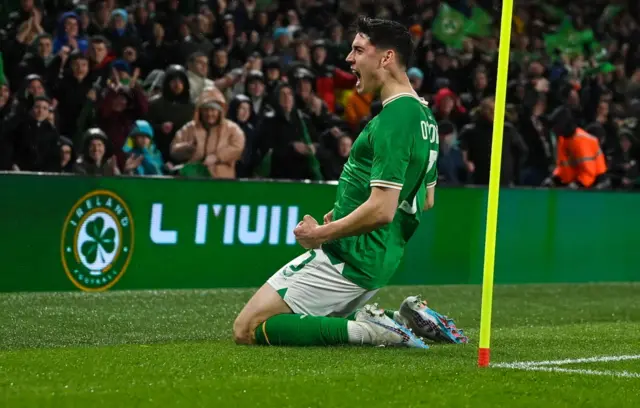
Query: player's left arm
x=376, y=212
x=392, y=146
x=431, y=198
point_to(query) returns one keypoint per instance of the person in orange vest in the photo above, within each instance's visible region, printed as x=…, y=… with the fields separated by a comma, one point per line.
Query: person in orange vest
x=580, y=161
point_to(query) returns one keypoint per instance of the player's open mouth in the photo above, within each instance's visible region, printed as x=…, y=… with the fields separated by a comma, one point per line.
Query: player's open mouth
x=357, y=74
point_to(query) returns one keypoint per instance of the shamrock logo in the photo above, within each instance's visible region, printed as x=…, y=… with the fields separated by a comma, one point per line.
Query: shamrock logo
x=100, y=242
x=451, y=26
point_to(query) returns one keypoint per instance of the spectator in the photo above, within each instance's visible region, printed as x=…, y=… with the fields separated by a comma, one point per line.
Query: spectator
x=71, y=92
x=198, y=76
x=625, y=169
x=41, y=61
x=272, y=71
x=100, y=59
x=143, y=23
x=256, y=90
x=32, y=86
x=307, y=101
x=210, y=139
x=143, y=158
x=123, y=103
x=14, y=50
x=291, y=138
x=475, y=143
x=448, y=106
x=358, y=106
x=580, y=161
x=172, y=109
x=329, y=79
x=32, y=144
x=336, y=153
x=451, y=167
x=540, y=160
x=68, y=33
x=100, y=23
x=159, y=52
x=241, y=112
x=97, y=158
x=121, y=33
x=67, y=155
x=415, y=77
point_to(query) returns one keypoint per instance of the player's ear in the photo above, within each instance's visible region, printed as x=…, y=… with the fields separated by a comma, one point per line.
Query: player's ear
x=387, y=57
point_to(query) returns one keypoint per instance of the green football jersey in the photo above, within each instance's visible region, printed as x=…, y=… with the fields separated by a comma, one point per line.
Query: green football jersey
x=397, y=149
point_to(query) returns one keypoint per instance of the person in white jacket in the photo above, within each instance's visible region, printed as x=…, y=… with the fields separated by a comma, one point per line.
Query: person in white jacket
x=198, y=74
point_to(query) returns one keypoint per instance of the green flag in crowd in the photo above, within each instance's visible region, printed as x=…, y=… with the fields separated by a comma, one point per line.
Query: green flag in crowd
x=448, y=26
x=479, y=25
x=569, y=40
x=451, y=26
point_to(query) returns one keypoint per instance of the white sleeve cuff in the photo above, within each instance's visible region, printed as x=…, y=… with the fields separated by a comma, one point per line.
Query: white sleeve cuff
x=386, y=184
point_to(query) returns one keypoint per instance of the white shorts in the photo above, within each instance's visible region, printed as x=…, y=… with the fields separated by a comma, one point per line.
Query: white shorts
x=311, y=285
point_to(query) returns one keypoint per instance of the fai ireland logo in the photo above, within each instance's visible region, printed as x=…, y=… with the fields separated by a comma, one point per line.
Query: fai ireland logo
x=97, y=241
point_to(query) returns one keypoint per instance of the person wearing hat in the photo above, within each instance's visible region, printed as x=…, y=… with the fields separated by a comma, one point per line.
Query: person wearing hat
x=68, y=33
x=304, y=82
x=241, y=112
x=329, y=79
x=67, y=155
x=210, y=144
x=143, y=159
x=255, y=89
x=170, y=110
x=96, y=158
x=120, y=32
x=272, y=68
x=415, y=77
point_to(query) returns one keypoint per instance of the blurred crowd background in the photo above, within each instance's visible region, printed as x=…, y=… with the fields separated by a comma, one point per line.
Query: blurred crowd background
x=260, y=88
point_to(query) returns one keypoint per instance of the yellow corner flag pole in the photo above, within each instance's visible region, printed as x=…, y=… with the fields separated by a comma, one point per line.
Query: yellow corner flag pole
x=494, y=183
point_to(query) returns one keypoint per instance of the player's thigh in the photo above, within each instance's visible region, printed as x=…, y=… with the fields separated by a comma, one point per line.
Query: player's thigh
x=264, y=304
x=312, y=285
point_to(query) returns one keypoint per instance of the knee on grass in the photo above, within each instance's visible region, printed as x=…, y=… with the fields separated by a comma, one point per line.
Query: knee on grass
x=243, y=331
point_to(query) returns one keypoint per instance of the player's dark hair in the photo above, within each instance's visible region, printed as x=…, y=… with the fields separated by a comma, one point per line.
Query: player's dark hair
x=387, y=34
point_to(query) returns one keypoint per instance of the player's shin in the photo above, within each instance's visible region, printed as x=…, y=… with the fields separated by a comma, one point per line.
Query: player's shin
x=302, y=330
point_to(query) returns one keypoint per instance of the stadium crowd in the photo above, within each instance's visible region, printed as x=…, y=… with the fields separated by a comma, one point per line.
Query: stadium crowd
x=260, y=88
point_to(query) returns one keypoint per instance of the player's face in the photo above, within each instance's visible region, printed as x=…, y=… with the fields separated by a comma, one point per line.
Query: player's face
x=365, y=64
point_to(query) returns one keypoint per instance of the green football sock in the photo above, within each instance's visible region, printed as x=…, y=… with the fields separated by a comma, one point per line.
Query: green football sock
x=301, y=330
x=389, y=313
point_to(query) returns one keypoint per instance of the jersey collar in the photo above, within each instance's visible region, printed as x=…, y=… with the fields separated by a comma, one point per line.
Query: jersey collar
x=401, y=95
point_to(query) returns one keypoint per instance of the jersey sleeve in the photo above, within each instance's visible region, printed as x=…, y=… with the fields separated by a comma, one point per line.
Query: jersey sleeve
x=392, y=144
x=432, y=177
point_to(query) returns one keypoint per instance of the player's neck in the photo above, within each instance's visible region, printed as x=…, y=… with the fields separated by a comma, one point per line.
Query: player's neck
x=394, y=86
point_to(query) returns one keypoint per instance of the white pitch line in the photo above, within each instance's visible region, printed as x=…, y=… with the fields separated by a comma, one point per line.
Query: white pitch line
x=600, y=359
x=607, y=373
x=544, y=366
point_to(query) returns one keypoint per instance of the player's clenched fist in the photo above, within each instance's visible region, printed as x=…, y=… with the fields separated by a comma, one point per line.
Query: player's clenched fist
x=306, y=233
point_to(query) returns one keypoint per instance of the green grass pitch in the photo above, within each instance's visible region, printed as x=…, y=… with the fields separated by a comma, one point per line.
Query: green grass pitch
x=174, y=348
